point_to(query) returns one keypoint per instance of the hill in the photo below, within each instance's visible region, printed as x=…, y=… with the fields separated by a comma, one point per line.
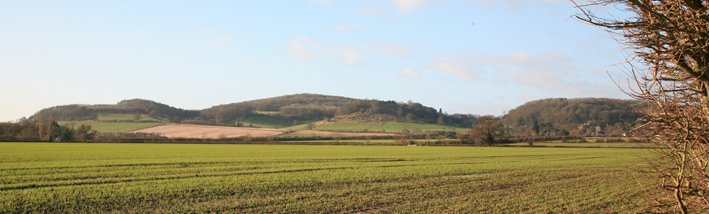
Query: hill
x=276, y=112
x=547, y=117
x=381, y=127
x=296, y=109
x=582, y=116
x=279, y=111
x=137, y=107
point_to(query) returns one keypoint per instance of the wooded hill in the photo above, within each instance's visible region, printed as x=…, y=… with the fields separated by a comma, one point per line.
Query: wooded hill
x=301, y=108
x=133, y=106
x=547, y=117
x=577, y=117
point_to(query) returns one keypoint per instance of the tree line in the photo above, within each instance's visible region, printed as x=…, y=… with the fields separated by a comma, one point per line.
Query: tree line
x=47, y=130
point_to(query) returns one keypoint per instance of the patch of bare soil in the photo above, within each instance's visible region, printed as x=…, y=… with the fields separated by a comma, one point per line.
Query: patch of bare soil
x=214, y=132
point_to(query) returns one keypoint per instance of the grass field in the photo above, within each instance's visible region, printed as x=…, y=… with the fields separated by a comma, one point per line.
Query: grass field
x=116, y=122
x=391, y=127
x=168, y=178
x=266, y=121
x=103, y=126
x=125, y=118
x=592, y=145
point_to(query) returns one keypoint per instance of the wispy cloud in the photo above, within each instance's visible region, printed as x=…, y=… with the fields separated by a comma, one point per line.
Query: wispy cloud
x=407, y=6
x=550, y=72
x=347, y=27
x=555, y=72
x=392, y=49
x=409, y=73
x=369, y=11
x=398, y=7
x=320, y=2
x=516, y=4
x=461, y=68
x=222, y=41
x=348, y=56
x=303, y=48
x=306, y=48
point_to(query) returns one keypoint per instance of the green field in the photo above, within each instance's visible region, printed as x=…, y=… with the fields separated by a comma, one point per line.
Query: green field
x=266, y=121
x=169, y=178
x=591, y=145
x=103, y=126
x=392, y=127
x=116, y=122
x=125, y=118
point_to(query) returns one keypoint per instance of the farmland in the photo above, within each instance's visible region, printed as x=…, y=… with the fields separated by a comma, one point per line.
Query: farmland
x=125, y=118
x=388, y=126
x=115, y=122
x=201, y=131
x=81, y=177
x=216, y=132
x=104, y=126
x=257, y=126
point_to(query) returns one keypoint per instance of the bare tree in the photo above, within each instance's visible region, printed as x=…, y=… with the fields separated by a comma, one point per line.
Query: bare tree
x=487, y=130
x=670, y=39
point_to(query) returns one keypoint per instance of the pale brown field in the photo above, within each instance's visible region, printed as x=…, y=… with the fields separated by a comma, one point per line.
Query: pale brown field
x=202, y=131
x=215, y=132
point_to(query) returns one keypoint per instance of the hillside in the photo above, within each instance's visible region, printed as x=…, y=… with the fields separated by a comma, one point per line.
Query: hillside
x=547, y=117
x=276, y=112
x=279, y=111
x=136, y=107
x=382, y=127
x=582, y=116
x=296, y=109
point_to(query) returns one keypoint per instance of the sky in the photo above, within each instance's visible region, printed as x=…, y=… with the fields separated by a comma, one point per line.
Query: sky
x=464, y=56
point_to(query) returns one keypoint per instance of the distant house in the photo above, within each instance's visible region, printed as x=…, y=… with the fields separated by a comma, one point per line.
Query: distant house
x=599, y=131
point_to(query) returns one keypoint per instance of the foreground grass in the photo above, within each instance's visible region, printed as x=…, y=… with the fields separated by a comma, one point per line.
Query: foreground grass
x=455, y=142
x=148, y=178
x=103, y=126
x=585, y=145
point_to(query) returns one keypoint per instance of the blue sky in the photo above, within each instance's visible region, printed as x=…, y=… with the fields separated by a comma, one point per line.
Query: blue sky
x=466, y=56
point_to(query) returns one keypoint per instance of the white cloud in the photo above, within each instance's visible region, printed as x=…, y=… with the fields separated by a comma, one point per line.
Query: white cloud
x=410, y=73
x=516, y=4
x=347, y=56
x=222, y=41
x=550, y=72
x=393, y=49
x=554, y=72
x=320, y=2
x=369, y=11
x=347, y=27
x=458, y=67
x=407, y=6
x=304, y=48
x=514, y=58
x=400, y=7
